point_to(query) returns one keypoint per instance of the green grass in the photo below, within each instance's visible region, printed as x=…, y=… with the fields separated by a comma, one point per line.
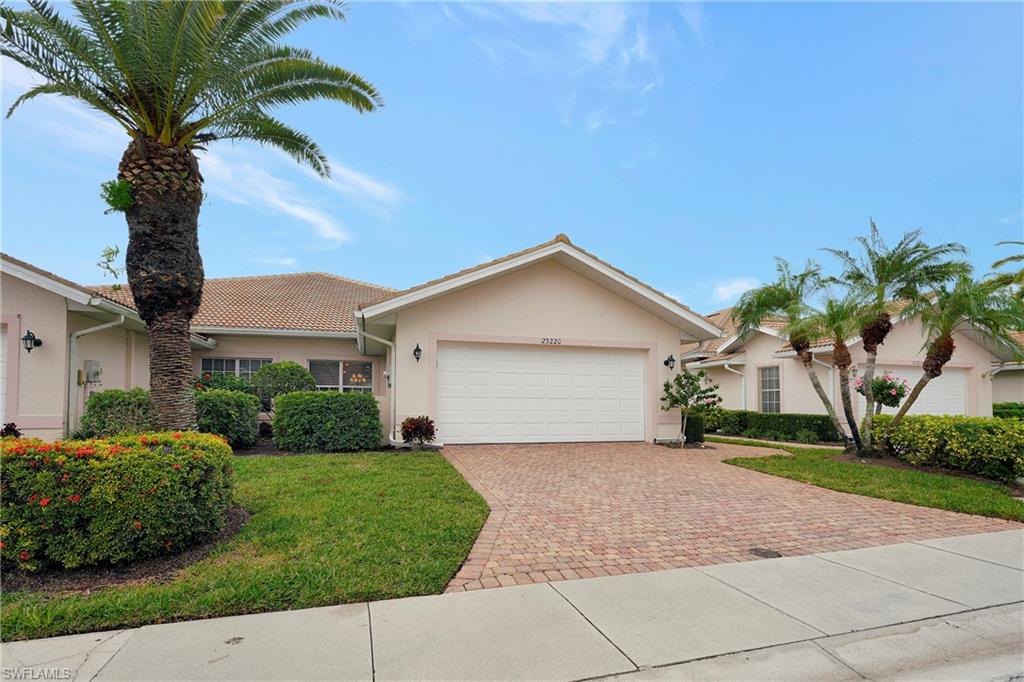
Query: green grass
x=817, y=467
x=325, y=529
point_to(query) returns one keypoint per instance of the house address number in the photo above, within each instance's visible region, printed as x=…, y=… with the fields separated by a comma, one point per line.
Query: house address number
x=550, y=341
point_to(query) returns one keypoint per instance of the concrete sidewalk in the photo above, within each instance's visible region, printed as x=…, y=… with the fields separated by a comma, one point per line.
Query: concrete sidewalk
x=938, y=609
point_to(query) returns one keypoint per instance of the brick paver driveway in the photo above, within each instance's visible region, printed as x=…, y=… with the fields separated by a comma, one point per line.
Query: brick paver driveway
x=564, y=511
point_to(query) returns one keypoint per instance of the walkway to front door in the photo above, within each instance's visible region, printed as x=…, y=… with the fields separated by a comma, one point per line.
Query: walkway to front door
x=566, y=511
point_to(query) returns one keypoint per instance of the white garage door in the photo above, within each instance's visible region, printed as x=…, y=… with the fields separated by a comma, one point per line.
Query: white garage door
x=525, y=394
x=946, y=394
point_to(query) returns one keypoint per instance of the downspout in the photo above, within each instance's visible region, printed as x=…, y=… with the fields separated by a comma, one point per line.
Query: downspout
x=72, y=396
x=743, y=382
x=392, y=382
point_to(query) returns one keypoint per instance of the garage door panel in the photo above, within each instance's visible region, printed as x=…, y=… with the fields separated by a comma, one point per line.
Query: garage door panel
x=946, y=394
x=516, y=394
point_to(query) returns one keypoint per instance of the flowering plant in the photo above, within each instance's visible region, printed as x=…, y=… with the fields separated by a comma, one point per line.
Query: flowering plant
x=84, y=502
x=889, y=390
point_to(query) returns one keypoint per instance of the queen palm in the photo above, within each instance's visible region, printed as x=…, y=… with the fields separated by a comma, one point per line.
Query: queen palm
x=983, y=307
x=175, y=76
x=882, y=275
x=788, y=297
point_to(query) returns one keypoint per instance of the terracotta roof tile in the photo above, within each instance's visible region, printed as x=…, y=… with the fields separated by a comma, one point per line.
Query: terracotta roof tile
x=723, y=320
x=307, y=301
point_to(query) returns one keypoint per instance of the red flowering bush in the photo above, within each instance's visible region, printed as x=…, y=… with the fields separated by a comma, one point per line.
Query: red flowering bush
x=418, y=430
x=80, y=503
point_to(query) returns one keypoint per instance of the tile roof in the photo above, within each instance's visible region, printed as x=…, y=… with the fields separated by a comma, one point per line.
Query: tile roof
x=716, y=357
x=723, y=320
x=558, y=238
x=305, y=301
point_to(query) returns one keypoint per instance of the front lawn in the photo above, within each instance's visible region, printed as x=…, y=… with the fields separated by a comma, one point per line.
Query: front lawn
x=818, y=466
x=325, y=529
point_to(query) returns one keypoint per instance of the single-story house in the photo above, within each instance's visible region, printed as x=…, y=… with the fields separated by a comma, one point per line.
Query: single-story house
x=761, y=372
x=547, y=344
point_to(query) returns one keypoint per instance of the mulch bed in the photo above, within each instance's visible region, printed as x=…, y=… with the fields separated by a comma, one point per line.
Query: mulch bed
x=155, y=570
x=895, y=463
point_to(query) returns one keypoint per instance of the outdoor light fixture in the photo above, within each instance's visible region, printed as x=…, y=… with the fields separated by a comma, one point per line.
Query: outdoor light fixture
x=417, y=352
x=29, y=341
x=670, y=362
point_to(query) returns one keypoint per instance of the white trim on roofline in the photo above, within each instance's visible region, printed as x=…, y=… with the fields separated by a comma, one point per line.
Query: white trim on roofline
x=263, y=331
x=736, y=337
x=42, y=281
x=444, y=286
x=705, y=364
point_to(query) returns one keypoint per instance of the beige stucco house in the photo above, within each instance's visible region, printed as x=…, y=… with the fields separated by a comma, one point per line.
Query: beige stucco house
x=762, y=373
x=547, y=344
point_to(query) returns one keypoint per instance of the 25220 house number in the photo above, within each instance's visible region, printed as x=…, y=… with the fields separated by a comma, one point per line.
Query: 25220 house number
x=550, y=341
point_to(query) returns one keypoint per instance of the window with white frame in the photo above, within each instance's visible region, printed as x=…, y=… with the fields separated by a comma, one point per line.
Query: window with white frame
x=342, y=375
x=771, y=389
x=241, y=367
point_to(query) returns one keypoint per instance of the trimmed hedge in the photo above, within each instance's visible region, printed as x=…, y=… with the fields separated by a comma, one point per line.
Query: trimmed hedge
x=327, y=421
x=279, y=378
x=114, y=411
x=231, y=414
x=986, y=446
x=1008, y=410
x=81, y=503
x=776, y=425
x=695, y=428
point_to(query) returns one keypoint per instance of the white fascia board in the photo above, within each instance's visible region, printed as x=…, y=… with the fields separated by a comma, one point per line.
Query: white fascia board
x=445, y=286
x=736, y=337
x=705, y=364
x=259, y=331
x=71, y=293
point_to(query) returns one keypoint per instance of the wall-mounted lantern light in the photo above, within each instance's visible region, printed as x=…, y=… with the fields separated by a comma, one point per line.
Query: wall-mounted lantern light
x=417, y=352
x=29, y=341
x=670, y=362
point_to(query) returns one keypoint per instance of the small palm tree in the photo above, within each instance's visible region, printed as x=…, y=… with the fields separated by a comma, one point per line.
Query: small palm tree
x=838, y=321
x=788, y=297
x=982, y=306
x=1012, y=279
x=881, y=275
x=176, y=75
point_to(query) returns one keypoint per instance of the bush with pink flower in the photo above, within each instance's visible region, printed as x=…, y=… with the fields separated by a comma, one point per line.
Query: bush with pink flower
x=889, y=390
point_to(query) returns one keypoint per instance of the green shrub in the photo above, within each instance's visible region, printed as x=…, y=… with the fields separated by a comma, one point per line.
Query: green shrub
x=110, y=412
x=712, y=420
x=806, y=436
x=783, y=426
x=327, y=421
x=985, y=446
x=695, y=428
x=231, y=414
x=279, y=378
x=1008, y=410
x=229, y=382
x=83, y=503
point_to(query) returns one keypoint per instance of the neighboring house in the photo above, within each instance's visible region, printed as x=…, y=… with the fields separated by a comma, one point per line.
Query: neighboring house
x=762, y=373
x=547, y=344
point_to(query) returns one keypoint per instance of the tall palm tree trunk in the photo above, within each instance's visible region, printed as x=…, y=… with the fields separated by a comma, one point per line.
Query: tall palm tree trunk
x=842, y=360
x=873, y=335
x=940, y=351
x=808, y=360
x=165, y=270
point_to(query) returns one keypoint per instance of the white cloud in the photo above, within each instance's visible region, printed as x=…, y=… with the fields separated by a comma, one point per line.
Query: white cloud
x=731, y=289
x=1012, y=218
x=236, y=173
x=284, y=261
x=693, y=17
x=598, y=119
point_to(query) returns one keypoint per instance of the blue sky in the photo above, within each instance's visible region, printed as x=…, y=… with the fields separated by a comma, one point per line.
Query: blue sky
x=686, y=143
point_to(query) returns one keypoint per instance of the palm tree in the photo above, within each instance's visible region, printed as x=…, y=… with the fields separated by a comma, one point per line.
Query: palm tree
x=838, y=322
x=788, y=297
x=1012, y=279
x=882, y=275
x=984, y=307
x=177, y=75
